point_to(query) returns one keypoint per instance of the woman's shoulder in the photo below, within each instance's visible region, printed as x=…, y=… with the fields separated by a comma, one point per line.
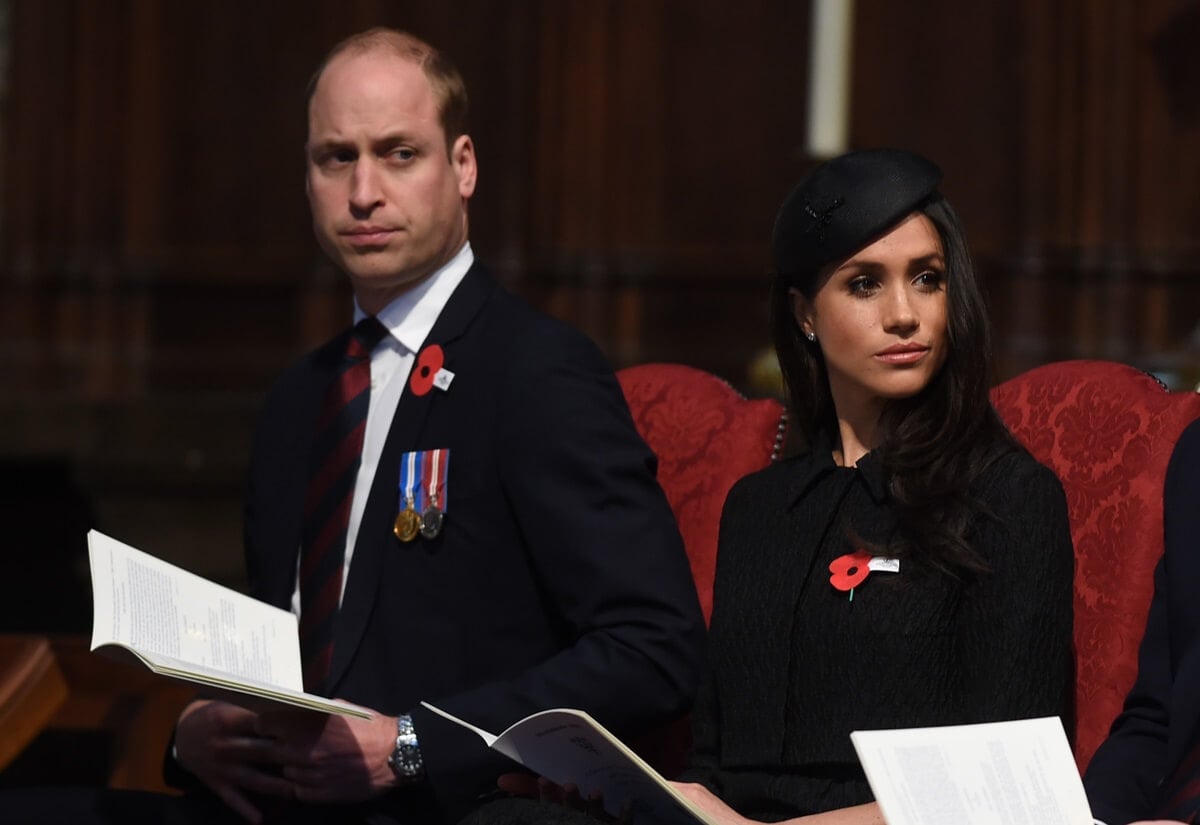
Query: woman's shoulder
x=1021, y=494
x=1015, y=469
x=776, y=479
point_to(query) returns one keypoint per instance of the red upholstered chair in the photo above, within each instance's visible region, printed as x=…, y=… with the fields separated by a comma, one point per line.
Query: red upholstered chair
x=706, y=437
x=1107, y=430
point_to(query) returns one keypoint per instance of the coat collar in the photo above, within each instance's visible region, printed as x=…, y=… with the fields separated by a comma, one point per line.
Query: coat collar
x=819, y=463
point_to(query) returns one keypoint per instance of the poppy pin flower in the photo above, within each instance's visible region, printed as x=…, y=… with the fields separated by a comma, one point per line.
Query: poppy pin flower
x=850, y=570
x=429, y=364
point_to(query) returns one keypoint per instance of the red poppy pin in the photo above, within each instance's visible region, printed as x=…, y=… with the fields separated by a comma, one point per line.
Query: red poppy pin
x=429, y=363
x=849, y=571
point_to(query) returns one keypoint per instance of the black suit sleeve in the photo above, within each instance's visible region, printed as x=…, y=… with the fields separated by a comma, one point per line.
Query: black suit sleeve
x=604, y=548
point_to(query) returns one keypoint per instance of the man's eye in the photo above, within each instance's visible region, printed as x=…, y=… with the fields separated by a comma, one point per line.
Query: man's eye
x=339, y=157
x=403, y=154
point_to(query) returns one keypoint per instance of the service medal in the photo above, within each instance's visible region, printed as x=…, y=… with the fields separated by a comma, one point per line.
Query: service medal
x=431, y=522
x=408, y=525
x=422, y=506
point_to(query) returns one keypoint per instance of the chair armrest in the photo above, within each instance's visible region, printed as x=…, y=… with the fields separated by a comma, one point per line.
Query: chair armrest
x=32, y=689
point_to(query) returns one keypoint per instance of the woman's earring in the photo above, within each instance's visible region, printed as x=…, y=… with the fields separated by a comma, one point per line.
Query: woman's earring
x=811, y=336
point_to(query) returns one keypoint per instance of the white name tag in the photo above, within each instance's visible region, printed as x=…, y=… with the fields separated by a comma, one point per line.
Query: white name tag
x=442, y=379
x=884, y=565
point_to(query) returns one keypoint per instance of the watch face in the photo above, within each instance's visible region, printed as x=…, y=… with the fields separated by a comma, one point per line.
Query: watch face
x=409, y=760
x=406, y=762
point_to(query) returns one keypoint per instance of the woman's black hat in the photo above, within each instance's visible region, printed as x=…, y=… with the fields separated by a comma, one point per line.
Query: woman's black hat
x=844, y=204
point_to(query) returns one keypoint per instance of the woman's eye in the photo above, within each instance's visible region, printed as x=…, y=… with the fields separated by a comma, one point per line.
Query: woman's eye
x=930, y=279
x=862, y=286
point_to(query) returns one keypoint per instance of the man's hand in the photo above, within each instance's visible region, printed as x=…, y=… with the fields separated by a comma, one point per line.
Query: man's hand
x=220, y=744
x=330, y=758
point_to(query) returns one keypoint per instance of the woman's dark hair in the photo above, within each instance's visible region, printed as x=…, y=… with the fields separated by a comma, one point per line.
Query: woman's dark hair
x=934, y=444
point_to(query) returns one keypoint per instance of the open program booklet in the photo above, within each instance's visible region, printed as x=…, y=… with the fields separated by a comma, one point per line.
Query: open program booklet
x=181, y=625
x=569, y=747
x=998, y=773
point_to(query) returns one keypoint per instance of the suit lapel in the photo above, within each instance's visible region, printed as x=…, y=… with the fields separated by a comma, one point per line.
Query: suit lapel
x=375, y=537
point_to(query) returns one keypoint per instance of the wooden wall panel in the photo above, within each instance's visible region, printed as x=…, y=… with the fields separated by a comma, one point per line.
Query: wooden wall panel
x=1054, y=124
x=945, y=80
x=669, y=132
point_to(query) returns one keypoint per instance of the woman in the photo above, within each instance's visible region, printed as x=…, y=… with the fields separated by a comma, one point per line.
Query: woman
x=914, y=567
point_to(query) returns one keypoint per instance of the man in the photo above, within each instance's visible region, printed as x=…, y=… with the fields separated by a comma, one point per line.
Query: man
x=506, y=549
x=1150, y=763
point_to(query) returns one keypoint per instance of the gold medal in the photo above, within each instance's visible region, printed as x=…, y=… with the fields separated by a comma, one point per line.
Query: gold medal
x=408, y=524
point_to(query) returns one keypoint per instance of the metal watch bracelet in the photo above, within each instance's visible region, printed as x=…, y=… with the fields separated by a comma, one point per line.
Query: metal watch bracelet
x=406, y=761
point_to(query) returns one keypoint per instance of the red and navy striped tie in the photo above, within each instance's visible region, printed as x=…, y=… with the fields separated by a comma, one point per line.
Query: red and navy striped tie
x=337, y=452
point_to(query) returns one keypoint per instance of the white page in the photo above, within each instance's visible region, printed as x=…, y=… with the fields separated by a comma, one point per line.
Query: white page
x=998, y=773
x=186, y=617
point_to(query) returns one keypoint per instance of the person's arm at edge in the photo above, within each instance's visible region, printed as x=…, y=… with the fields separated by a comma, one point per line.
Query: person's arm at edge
x=1123, y=777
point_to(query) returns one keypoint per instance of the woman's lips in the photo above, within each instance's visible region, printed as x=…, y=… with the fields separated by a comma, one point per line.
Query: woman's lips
x=902, y=354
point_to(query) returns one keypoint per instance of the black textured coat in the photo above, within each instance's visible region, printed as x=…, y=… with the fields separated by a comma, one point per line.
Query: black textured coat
x=796, y=664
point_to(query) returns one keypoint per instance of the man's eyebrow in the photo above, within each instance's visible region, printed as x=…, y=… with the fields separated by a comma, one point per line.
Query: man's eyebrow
x=392, y=139
x=383, y=142
x=327, y=144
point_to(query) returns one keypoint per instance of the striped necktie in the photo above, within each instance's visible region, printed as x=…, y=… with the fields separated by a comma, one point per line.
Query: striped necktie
x=336, y=454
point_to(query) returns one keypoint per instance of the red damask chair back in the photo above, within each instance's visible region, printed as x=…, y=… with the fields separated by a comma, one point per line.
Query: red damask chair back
x=706, y=437
x=1107, y=430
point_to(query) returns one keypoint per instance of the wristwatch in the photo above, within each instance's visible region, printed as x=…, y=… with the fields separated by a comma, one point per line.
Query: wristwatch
x=406, y=761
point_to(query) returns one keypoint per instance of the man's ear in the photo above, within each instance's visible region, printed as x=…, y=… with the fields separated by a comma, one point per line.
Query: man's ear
x=802, y=311
x=462, y=158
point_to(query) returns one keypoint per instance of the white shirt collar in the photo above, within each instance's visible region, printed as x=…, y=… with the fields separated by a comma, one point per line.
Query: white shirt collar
x=411, y=316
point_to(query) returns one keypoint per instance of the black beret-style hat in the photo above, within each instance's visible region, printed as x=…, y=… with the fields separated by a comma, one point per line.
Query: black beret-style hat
x=844, y=204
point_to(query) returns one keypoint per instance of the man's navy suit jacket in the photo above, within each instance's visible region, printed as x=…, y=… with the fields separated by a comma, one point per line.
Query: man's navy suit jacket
x=559, y=579
x=1159, y=723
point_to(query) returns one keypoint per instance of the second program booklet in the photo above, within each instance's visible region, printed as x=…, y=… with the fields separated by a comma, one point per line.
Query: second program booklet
x=181, y=625
x=568, y=747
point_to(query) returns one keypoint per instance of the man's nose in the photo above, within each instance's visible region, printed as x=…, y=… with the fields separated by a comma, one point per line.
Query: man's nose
x=365, y=192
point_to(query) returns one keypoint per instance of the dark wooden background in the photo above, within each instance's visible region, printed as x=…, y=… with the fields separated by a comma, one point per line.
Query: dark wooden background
x=157, y=266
